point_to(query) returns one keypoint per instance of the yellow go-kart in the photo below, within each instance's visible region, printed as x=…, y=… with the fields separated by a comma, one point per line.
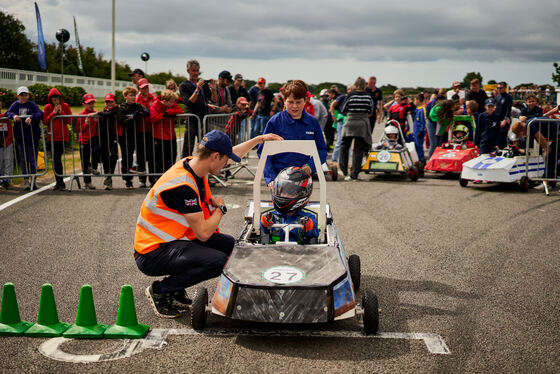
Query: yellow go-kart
x=400, y=158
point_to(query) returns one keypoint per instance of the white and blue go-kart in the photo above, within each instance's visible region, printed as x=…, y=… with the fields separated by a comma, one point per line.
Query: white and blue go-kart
x=504, y=167
x=286, y=282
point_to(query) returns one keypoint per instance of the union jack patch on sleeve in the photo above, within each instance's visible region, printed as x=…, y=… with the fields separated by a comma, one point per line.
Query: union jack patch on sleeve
x=191, y=202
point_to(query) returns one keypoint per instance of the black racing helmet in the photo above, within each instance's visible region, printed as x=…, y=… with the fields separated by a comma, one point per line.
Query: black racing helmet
x=291, y=190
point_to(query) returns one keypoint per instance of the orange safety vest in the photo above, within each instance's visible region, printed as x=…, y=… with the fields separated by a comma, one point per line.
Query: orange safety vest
x=158, y=223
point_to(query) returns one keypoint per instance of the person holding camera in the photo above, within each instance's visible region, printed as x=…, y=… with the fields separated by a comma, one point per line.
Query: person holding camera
x=196, y=94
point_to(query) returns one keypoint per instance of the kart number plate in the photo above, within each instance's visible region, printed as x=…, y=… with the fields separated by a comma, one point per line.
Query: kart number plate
x=283, y=275
x=383, y=156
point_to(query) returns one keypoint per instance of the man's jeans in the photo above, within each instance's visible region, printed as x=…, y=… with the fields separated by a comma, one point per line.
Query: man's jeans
x=258, y=125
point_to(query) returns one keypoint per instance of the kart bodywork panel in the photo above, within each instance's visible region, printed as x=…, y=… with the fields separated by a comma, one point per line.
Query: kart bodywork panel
x=450, y=160
x=502, y=169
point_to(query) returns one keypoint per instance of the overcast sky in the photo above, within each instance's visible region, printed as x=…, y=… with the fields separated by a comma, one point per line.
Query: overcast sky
x=406, y=43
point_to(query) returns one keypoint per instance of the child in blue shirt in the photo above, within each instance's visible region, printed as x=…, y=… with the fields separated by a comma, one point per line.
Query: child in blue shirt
x=290, y=192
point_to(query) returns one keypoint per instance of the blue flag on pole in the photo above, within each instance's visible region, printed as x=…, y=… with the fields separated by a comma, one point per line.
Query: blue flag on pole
x=40, y=41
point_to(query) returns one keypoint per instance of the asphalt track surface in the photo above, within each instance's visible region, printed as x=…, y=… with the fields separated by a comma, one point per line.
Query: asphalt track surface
x=478, y=266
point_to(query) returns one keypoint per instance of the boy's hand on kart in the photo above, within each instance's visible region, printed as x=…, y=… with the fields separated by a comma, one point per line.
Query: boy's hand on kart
x=269, y=137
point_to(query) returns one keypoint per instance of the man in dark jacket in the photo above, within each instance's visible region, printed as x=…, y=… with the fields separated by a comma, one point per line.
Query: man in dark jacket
x=504, y=102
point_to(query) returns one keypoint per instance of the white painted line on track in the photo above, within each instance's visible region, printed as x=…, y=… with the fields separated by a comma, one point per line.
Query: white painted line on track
x=157, y=339
x=27, y=195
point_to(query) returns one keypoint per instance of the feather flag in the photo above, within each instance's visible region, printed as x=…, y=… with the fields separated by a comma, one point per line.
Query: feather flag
x=80, y=65
x=41, y=41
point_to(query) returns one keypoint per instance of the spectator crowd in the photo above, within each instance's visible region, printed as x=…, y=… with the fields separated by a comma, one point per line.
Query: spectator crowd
x=144, y=126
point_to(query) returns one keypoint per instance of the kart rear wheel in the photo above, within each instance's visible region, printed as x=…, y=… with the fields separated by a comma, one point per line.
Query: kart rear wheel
x=334, y=172
x=413, y=173
x=463, y=182
x=198, y=308
x=354, y=266
x=524, y=183
x=420, y=165
x=371, y=312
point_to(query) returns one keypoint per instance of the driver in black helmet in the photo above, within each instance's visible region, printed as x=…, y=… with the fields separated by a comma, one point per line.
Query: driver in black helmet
x=290, y=192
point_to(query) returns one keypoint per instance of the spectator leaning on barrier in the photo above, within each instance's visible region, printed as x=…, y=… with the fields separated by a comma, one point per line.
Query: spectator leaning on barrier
x=264, y=109
x=177, y=233
x=108, y=142
x=172, y=85
x=163, y=113
x=196, y=94
x=89, y=140
x=357, y=107
x=144, y=139
x=237, y=122
x=224, y=103
x=6, y=151
x=57, y=132
x=129, y=116
x=27, y=132
x=504, y=102
x=294, y=123
x=477, y=94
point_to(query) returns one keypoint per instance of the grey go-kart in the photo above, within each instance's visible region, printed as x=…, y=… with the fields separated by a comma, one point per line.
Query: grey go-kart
x=287, y=282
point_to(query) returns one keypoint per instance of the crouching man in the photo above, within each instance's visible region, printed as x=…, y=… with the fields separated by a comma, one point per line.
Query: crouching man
x=177, y=233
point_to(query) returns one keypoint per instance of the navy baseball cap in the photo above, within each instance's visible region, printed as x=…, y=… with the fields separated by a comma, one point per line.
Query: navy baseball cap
x=226, y=74
x=490, y=102
x=218, y=141
x=136, y=71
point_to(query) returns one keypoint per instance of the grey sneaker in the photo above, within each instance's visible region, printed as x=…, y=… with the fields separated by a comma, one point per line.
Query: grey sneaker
x=108, y=183
x=93, y=171
x=89, y=186
x=162, y=304
x=26, y=186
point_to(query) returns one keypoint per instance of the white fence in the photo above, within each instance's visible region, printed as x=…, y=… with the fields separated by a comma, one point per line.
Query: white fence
x=12, y=79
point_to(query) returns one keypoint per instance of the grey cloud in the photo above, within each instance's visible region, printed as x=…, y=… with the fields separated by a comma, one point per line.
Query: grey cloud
x=364, y=30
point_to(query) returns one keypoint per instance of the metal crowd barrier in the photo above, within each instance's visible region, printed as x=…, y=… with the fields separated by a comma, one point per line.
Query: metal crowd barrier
x=549, y=129
x=27, y=142
x=238, y=130
x=146, y=152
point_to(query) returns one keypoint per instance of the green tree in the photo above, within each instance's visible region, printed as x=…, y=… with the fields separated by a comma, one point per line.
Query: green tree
x=470, y=76
x=556, y=73
x=16, y=51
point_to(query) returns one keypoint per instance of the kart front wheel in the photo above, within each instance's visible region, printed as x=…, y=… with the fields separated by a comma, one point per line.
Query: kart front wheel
x=524, y=183
x=463, y=182
x=198, y=308
x=413, y=173
x=371, y=312
x=420, y=165
x=354, y=266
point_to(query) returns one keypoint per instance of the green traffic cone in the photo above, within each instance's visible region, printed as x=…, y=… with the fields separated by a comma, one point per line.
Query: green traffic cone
x=10, y=322
x=86, y=325
x=47, y=324
x=127, y=326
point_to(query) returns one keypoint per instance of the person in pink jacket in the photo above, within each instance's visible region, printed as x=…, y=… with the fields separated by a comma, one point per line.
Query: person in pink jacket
x=57, y=132
x=162, y=113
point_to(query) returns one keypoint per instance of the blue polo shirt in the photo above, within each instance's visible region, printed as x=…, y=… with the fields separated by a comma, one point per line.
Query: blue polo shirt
x=305, y=128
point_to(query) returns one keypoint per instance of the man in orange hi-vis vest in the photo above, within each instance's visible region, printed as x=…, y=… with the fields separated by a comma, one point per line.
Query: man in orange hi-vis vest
x=177, y=233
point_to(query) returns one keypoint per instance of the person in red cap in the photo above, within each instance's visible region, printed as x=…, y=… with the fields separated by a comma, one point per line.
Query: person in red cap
x=144, y=138
x=456, y=90
x=88, y=137
x=108, y=138
x=236, y=125
x=162, y=113
x=264, y=108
